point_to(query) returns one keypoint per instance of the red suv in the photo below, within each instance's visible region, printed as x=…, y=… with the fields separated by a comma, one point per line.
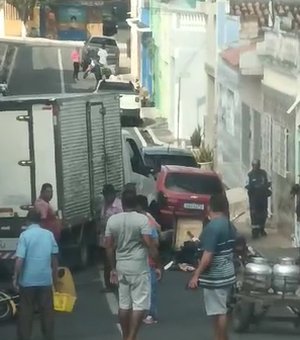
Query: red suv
x=185, y=192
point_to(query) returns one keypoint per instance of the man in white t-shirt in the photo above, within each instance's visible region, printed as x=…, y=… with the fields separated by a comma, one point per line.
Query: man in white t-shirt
x=102, y=54
x=129, y=233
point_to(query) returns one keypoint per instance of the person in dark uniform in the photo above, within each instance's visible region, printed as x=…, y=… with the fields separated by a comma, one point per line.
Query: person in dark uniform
x=258, y=185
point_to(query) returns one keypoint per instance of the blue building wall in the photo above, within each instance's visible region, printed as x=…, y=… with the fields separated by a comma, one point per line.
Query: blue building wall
x=145, y=16
x=146, y=64
x=228, y=27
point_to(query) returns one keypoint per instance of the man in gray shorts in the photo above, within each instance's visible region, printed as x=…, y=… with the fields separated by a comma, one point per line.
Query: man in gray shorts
x=215, y=271
x=130, y=234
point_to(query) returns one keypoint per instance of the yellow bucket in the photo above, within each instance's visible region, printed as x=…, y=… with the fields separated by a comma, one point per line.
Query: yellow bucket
x=64, y=302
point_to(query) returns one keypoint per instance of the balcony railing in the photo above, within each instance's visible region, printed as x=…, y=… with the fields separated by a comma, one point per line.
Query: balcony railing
x=281, y=48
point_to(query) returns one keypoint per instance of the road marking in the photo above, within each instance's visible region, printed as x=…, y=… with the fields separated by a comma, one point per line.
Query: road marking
x=12, y=66
x=111, y=300
x=61, y=71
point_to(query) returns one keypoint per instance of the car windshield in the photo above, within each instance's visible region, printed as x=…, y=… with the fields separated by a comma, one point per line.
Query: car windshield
x=158, y=160
x=100, y=41
x=117, y=86
x=193, y=183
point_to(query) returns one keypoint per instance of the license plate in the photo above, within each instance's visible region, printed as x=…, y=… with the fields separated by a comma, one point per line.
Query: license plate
x=8, y=244
x=193, y=206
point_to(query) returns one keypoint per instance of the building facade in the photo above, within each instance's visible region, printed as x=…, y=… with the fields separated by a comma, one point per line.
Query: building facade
x=141, y=54
x=279, y=53
x=179, y=77
x=221, y=31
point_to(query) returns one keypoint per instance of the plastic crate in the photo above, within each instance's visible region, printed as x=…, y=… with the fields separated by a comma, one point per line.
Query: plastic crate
x=64, y=302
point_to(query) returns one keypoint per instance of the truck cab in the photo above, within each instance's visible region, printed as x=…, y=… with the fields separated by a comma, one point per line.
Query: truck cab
x=76, y=143
x=135, y=170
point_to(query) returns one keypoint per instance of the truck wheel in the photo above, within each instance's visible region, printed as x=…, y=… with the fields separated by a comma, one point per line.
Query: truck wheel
x=241, y=316
x=83, y=254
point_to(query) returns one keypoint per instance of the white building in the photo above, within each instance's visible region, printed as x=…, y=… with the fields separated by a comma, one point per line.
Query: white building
x=179, y=75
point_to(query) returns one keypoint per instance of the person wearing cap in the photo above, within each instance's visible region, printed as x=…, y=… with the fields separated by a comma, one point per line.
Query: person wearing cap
x=258, y=186
x=112, y=205
x=130, y=187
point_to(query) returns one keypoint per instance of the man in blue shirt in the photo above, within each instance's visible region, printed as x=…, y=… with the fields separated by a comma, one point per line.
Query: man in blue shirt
x=35, y=273
x=215, y=272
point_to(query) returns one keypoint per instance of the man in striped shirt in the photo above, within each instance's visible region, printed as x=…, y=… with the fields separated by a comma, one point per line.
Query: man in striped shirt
x=215, y=271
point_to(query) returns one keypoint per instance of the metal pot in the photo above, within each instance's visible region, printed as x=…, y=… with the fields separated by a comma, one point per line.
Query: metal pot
x=258, y=275
x=286, y=276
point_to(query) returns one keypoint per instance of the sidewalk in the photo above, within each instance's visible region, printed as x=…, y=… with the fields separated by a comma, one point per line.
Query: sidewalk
x=238, y=202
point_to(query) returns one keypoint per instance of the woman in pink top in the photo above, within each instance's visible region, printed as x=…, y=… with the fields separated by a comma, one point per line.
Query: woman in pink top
x=75, y=56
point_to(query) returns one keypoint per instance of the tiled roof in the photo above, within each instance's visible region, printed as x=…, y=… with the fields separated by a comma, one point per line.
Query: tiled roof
x=232, y=55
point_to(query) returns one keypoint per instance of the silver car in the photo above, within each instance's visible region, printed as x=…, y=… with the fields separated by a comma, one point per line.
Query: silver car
x=91, y=47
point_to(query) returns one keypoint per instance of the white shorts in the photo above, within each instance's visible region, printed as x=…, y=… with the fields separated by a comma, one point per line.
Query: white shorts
x=215, y=301
x=134, y=291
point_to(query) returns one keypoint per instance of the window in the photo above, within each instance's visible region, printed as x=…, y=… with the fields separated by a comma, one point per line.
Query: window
x=287, y=160
x=136, y=160
x=194, y=184
x=159, y=160
x=227, y=108
x=100, y=41
x=117, y=86
x=279, y=143
x=266, y=142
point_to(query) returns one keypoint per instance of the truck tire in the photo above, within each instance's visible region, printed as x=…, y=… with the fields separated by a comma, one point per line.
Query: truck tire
x=83, y=254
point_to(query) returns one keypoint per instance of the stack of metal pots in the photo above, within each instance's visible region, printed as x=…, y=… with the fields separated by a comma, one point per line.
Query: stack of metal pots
x=257, y=275
x=286, y=276
x=282, y=278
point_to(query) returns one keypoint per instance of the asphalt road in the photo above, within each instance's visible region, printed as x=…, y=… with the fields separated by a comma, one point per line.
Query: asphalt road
x=181, y=315
x=48, y=69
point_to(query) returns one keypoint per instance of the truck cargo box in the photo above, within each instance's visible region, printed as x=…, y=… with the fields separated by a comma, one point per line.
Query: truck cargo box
x=68, y=140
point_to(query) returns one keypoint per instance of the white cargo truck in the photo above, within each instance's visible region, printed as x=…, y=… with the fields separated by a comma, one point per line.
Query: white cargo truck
x=75, y=143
